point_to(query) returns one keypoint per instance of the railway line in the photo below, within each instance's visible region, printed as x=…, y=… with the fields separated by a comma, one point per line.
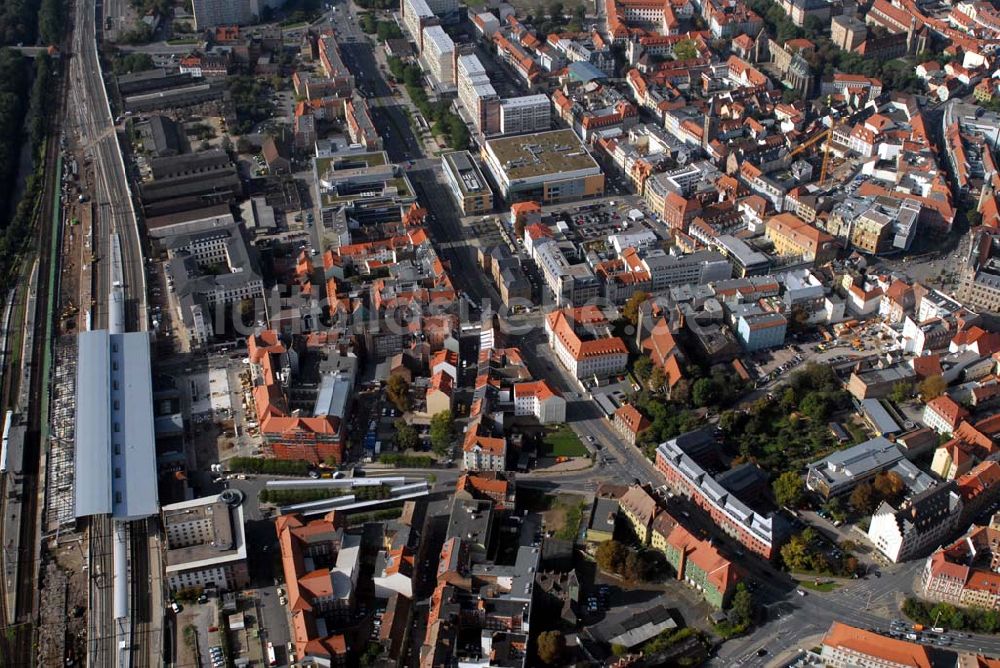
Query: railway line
x=17, y=638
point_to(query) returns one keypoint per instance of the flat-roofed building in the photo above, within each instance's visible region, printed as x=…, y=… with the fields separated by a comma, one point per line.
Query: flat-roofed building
x=439, y=53
x=467, y=185
x=477, y=95
x=196, y=252
x=745, y=259
x=546, y=167
x=528, y=113
x=416, y=15
x=842, y=471
x=205, y=544
x=115, y=450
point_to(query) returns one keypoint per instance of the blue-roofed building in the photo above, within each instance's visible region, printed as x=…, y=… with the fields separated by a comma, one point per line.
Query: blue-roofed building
x=878, y=418
x=115, y=431
x=584, y=72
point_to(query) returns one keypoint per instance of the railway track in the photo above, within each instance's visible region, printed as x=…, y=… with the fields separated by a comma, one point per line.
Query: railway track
x=140, y=595
x=100, y=634
x=17, y=640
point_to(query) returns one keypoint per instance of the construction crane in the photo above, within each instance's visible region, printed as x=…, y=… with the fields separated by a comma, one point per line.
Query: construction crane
x=828, y=136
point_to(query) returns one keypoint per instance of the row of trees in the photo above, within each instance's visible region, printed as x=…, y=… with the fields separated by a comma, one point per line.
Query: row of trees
x=383, y=30
x=127, y=63
x=554, y=19
x=18, y=233
x=13, y=92
x=951, y=617
x=443, y=120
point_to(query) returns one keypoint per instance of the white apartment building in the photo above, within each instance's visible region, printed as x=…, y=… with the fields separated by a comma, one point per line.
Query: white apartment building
x=528, y=113
x=484, y=453
x=443, y=8
x=539, y=400
x=476, y=94
x=439, y=54
x=416, y=15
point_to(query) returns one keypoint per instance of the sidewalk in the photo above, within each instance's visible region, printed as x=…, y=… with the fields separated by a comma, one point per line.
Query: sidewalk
x=792, y=654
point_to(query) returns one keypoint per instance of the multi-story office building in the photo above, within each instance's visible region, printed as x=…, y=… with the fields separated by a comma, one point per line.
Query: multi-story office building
x=210, y=265
x=205, y=544
x=529, y=113
x=582, y=340
x=466, y=183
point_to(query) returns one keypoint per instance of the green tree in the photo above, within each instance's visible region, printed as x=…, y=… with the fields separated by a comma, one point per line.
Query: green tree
x=901, y=392
x=631, y=309
x=442, y=427
x=685, y=49
x=862, y=499
x=642, y=368
x=407, y=437
x=556, y=10
x=932, y=387
x=551, y=647
x=657, y=378
x=789, y=489
x=458, y=133
x=741, y=610
x=611, y=556
x=398, y=392
x=795, y=553
x=704, y=392
x=387, y=30
x=816, y=406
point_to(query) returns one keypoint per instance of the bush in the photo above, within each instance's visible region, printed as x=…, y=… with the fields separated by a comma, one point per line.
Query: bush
x=189, y=594
x=280, y=497
x=407, y=461
x=377, y=516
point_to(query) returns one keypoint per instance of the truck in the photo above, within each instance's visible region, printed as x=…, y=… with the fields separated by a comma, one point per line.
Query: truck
x=918, y=627
x=272, y=660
